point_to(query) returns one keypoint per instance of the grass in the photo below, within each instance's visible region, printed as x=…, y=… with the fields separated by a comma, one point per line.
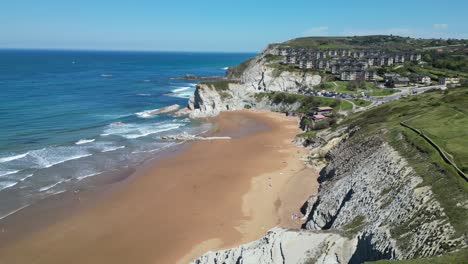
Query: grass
x=390, y=43
x=351, y=229
x=447, y=125
x=308, y=135
x=272, y=58
x=237, y=71
x=222, y=85
x=360, y=102
x=459, y=257
x=368, y=88
x=307, y=102
x=444, y=116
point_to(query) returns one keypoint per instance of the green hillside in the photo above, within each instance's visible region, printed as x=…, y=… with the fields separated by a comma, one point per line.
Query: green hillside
x=443, y=116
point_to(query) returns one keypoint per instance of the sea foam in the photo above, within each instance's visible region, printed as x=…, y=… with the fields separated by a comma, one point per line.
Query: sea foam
x=48, y=187
x=51, y=156
x=7, y=184
x=183, y=92
x=11, y=158
x=8, y=172
x=84, y=141
x=133, y=131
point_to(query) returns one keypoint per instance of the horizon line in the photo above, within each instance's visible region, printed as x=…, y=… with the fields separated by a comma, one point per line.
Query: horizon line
x=124, y=50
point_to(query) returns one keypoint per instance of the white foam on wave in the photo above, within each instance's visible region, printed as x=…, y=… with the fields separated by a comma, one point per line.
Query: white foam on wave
x=7, y=184
x=84, y=141
x=15, y=157
x=180, y=89
x=183, y=92
x=26, y=177
x=112, y=149
x=51, y=156
x=14, y=211
x=225, y=68
x=88, y=175
x=133, y=131
x=8, y=172
x=143, y=94
x=48, y=187
x=146, y=113
x=157, y=149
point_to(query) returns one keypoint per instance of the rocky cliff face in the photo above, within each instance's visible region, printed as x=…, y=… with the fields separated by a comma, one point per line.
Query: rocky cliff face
x=370, y=206
x=257, y=75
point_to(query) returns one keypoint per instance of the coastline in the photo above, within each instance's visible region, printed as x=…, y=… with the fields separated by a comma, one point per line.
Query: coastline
x=226, y=193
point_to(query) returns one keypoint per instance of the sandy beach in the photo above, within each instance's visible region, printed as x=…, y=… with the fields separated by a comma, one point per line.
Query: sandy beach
x=207, y=196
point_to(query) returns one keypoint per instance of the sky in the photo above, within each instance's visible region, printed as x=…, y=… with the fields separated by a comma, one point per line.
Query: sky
x=221, y=25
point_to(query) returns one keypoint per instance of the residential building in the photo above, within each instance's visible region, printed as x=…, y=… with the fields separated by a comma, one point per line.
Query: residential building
x=420, y=78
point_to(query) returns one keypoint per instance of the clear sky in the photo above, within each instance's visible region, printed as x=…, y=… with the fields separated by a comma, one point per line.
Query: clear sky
x=217, y=25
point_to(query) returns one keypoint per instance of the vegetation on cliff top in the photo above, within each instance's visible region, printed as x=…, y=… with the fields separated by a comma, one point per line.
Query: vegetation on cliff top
x=443, y=116
x=391, y=43
x=459, y=257
x=355, y=88
x=307, y=102
x=236, y=72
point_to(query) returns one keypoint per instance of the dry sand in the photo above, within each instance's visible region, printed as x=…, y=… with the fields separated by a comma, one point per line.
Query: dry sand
x=210, y=195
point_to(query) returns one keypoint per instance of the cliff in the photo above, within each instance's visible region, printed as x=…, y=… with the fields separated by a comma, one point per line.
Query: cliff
x=370, y=206
x=384, y=193
x=260, y=74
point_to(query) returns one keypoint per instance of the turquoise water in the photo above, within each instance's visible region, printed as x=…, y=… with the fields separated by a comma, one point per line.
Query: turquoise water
x=66, y=116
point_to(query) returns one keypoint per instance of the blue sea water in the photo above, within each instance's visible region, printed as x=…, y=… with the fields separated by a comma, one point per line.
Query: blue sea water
x=69, y=115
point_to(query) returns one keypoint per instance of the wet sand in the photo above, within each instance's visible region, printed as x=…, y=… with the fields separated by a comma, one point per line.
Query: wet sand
x=207, y=196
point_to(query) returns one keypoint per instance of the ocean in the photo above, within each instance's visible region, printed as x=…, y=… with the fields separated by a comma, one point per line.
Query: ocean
x=66, y=116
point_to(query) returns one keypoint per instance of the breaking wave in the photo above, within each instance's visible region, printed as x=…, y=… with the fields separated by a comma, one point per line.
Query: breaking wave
x=84, y=141
x=15, y=157
x=133, y=131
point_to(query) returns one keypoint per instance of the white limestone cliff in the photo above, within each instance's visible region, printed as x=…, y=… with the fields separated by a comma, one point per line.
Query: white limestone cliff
x=256, y=76
x=370, y=206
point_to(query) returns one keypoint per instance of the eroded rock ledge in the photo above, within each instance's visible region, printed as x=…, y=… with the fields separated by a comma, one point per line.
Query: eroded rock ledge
x=370, y=206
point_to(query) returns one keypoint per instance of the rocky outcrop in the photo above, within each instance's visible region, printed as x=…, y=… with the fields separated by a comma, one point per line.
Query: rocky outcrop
x=371, y=205
x=367, y=179
x=209, y=101
x=257, y=75
x=287, y=246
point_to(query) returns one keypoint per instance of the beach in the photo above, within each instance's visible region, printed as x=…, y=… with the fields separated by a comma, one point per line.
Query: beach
x=207, y=195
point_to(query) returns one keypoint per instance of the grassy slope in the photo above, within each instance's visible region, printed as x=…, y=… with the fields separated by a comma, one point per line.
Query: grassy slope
x=307, y=102
x=360, y=102
x=445, y=116
x=459, y=257
x=378, y=41
x=369, y=89
x=447, y=125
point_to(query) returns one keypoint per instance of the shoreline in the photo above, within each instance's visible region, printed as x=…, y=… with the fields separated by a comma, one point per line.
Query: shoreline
x=227, y=193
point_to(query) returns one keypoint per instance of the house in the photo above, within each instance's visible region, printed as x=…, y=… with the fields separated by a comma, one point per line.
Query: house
x=318, y=117
x=420, y=78
x=323, y=110
x=390, y=76
x=398, y=81
x=356, y=74
x=449, y=81
x=399, y=58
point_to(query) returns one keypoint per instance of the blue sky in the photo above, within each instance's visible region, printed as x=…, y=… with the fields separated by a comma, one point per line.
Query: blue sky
x=222, y=25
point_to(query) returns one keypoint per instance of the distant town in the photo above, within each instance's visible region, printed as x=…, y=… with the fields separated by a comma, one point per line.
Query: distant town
x=359, y=65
